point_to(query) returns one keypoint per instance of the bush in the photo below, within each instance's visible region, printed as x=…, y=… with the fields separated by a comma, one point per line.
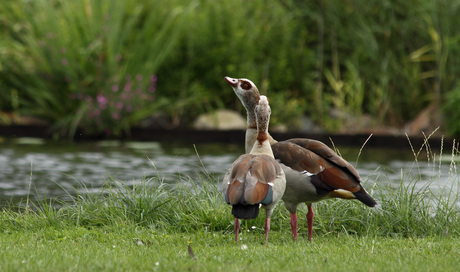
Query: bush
x=88, y=64
x=389, y=59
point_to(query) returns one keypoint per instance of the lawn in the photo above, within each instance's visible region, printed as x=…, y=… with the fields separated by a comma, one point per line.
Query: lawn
x=148, y=225
x=130, y=248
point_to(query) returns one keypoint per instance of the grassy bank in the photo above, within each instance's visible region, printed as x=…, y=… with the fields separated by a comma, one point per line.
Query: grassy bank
x=150, y=224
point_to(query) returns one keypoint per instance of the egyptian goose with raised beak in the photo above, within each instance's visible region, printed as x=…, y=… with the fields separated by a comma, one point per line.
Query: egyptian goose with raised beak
x=313, y=171
x=255, y=179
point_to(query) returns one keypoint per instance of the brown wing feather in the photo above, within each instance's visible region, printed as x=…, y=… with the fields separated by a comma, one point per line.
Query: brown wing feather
x=235, y=188
x=302, y=159
x=265, y=168
x=250, y=178
x=327, y=153
x=337, y=179
x=234, y=191
x=257, y=193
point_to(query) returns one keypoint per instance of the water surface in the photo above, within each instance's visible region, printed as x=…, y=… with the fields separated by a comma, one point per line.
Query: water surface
x=50, y=169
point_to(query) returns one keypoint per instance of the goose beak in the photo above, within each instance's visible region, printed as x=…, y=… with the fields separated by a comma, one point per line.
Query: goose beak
x=232, y=81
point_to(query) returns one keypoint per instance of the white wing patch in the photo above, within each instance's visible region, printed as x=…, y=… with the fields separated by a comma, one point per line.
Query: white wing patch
x=311, y=174
x=307, y=173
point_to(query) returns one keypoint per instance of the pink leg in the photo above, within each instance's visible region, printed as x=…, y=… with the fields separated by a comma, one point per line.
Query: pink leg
x=237, y=229
x=267, y=228
x=294, y=226
x=310, y=221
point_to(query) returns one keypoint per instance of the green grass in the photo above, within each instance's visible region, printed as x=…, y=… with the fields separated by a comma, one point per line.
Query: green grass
x=133, y=248
x=149, y=225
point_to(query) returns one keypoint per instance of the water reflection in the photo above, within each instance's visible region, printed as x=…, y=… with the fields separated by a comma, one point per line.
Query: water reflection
x=49, y=169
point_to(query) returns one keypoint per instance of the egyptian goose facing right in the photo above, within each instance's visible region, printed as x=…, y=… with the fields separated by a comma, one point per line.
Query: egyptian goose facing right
x=313, y=171
x=255, y=179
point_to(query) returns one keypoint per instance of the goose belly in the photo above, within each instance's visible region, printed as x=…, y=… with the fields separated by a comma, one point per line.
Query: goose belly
x=299, y=187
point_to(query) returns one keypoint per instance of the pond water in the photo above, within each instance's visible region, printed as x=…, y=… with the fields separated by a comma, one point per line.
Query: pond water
x=49, y=169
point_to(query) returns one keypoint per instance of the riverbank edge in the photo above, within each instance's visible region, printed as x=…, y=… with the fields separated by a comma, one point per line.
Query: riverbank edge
x=237, y=136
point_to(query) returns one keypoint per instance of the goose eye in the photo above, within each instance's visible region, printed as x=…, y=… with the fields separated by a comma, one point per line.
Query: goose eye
x=245, y=85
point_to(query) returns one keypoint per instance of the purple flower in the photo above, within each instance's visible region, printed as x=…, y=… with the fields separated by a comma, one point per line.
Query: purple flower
x=153, y=78
x=115, y=88
x=102, y=100
x=127, y=87
x=139, y=77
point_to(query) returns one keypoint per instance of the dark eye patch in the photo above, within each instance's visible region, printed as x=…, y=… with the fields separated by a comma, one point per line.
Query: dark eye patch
x=245, y=85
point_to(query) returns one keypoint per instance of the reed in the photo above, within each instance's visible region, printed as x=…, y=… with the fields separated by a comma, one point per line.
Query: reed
x=87, y=64
x=69, y=62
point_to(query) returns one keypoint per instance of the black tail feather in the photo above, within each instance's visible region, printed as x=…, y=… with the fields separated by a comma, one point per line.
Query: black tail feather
x=245, y=211
x=365, y=198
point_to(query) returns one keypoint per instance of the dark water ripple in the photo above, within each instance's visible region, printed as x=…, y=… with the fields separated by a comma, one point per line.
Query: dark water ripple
x=49, y=169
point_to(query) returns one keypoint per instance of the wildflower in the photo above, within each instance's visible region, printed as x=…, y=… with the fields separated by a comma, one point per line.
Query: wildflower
x=139, y=77
x=102, y=100
x=115, y=88
x=64, y=62
x=96, y=112
x=127, y=87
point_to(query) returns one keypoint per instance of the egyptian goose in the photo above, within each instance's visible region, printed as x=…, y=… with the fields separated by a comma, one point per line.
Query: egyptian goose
x=313, y=171
x=256, y=178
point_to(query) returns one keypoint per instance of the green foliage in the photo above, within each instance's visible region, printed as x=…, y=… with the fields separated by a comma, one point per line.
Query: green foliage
x=450, y=108
x=88, y=64
x=389, y=59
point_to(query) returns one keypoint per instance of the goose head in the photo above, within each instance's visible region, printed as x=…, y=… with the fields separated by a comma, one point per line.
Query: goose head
x=246, y=91
x=263, y=112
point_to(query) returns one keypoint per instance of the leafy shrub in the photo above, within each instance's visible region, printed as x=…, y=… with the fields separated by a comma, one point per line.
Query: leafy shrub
x=89, y=64
x=389, y=59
